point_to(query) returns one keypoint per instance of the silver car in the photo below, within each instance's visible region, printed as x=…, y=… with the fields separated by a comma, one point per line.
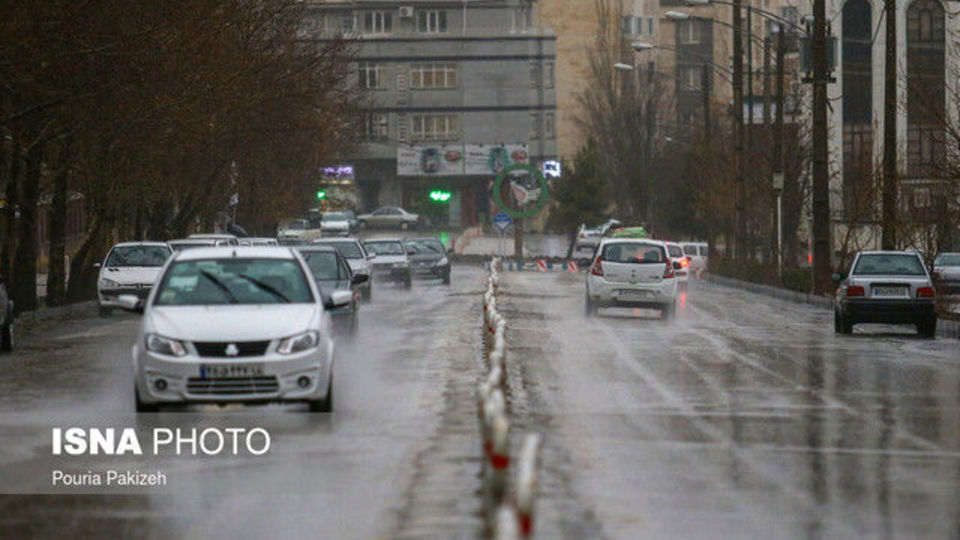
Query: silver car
x=946, y=270
x=245, y=324
x=129, y=268
x=891, y=287
x=356, y=256
x=388, y=216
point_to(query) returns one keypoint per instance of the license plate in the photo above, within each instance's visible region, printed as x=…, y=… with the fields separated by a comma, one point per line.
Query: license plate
x=890, y=291
x=633, y=293
x=220, y=371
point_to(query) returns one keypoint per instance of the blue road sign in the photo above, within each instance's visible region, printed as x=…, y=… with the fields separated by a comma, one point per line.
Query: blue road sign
x=501, y=221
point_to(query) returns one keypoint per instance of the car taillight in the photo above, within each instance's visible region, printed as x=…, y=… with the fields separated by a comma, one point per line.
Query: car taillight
x=926, y=292
x=597, y=269
x=668, y=271
x=854, y=290
x=685, y=262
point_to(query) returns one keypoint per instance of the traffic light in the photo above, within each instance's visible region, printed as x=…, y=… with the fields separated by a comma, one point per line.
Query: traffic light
x=440, y=195
x=321, y=195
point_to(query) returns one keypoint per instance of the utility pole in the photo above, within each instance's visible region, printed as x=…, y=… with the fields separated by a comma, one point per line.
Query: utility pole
x=706, y=90
x=889, y=207
x=778, y=168
x=740, y=225
x=750, y=93
x=822, y=244
x=766, y=82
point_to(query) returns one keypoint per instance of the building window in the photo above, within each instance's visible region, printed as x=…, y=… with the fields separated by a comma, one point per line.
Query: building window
x=926, y=93
x=548, y=75
x=534, y=125
x=690, y=77
x=522, y=18
x=434, y=127
x=650, y=26
x=535, y=72
x=550, y=125
x=859, y=193
x=688, y=32
x=371, y=76
x=921, y=198
x=375, y=126
x=377, y=22
x=341, y=22
x=431, y=21
x=433, y=75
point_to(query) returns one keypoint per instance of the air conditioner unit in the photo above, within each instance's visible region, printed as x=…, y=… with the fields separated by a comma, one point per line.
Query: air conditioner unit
x=405, y=12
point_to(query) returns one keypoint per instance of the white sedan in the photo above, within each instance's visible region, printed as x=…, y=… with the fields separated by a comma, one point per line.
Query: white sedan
x=129, y=268
x=632, y=273
x=238, y=324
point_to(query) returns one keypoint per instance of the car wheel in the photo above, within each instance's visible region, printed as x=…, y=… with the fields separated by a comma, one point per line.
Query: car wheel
x=846, y=325
x=361, y=224
x=6, y=338
x=366, y=294
x=837, y=322
x=404, y=225
x=408, y=282
x=354, y=323
x=324, y=405
x=141, y=406
x=928, y=328
x=668, y=311
x=446, y=278
x=105, y=311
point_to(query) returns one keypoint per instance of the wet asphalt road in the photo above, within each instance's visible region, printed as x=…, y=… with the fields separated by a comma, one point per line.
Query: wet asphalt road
x=745, y=418
x=341, y=475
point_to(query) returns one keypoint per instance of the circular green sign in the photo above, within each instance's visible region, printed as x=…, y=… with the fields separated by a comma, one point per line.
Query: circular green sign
x=542, y=191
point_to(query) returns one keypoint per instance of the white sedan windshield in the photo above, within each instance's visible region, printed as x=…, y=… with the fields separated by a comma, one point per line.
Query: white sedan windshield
x=233, y=281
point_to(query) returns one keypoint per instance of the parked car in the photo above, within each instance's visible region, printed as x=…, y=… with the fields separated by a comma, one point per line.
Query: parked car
x=238, y=325
x=388, y=217
x=6, y=319
x=677, y=255
x=129, y=268
x=332, y=273
x=298, y=229
x=697, y=251
x=390, y=260
x=335, y=224
x=351, y=218
x=588, y=238
x=632, y=273
x=892, y=287
x=230, y=239
x=356, y=256
x=946, y=276
x=190, y=243
x=428, y=258
x=256, y=241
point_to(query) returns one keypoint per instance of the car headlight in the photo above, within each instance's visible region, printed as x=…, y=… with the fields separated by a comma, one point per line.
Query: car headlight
x=107, y=282
x=400, y=265
x=162, y=345
x=442, y=262
x=299, y=342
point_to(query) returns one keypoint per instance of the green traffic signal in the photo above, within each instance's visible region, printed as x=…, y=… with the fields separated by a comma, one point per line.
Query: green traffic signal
x=321, y=195
x=440, y=196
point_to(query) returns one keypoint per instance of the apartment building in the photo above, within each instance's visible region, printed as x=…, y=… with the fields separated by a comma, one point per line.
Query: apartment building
x=457, y=91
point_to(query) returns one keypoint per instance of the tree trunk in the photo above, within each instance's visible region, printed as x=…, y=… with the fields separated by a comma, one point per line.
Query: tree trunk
x=10, y=213
x=56, y=278
x=25, y=262
x=83, y=277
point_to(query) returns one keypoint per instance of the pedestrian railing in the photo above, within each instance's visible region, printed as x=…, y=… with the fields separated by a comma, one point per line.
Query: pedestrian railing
x=508, y=501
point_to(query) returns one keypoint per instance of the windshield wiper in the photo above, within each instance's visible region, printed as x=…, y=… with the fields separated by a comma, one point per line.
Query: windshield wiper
x=263, y=286
x=223, y=288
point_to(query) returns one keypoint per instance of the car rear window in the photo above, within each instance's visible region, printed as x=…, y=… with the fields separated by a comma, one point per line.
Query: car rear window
x=690, y=250
x=675, y=251
x=889, y=265
x=384, y=248
x=704, y=250
x=324, y=265
x=349, y=250
x=948, y=259
x=634, y=253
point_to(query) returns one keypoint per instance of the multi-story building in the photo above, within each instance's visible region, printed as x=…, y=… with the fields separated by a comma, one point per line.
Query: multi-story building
x=457, y=90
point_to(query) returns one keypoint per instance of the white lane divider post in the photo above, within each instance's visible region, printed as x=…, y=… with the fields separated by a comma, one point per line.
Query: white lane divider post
x=505, y=527
x=527, y=480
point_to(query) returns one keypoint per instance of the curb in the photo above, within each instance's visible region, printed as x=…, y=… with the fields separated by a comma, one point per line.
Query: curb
x=60, y=312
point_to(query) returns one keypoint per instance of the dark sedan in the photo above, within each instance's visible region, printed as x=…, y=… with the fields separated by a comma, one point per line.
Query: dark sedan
x=333, y=273
x=428, y=258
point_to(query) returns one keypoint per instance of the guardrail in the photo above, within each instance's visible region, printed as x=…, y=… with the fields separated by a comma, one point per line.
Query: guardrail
x=509, y=510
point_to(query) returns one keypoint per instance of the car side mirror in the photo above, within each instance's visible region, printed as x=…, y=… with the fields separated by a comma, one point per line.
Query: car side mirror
x=129, y=302
x=411, y=251
x=357, y=279
x=97, y=265
x=677, y=265
x=339, y=299
x=837, y=278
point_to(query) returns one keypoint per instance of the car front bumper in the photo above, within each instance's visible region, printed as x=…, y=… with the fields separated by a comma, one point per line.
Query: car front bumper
x=391, y=273
x=646, y=295
x=279, y=380
x=430, y=270
x=890, y=311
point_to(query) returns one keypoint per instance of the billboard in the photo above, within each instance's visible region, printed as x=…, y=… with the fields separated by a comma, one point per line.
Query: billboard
x=458, y=159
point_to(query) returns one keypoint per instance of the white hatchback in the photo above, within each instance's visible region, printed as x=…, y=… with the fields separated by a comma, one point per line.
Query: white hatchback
x=632, y=273
x=129, y=268
x=237, y=324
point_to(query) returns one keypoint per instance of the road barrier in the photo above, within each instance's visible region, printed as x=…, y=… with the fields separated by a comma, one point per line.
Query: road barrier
x=509, y=512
